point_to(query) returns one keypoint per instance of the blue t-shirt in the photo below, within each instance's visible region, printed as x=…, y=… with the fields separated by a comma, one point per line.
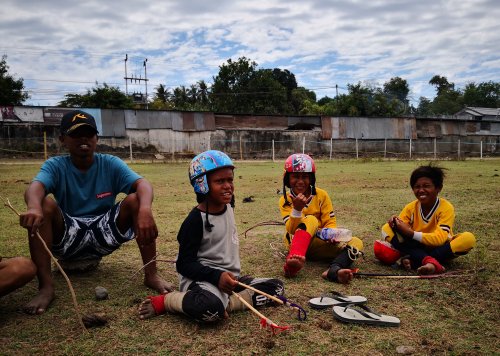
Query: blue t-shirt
x=86, y=194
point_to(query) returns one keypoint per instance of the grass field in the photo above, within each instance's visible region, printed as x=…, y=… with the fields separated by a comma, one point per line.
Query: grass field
x=454, y=316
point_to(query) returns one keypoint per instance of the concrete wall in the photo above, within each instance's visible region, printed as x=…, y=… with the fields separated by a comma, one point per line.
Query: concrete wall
x=175, y=132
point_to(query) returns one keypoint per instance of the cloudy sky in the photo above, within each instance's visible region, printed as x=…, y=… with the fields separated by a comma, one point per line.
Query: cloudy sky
x=67, y=46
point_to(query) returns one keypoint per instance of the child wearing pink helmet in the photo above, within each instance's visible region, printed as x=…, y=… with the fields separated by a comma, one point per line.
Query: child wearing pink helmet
x=305, y=210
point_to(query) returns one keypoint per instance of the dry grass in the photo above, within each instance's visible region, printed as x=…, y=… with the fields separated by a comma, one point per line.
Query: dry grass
x=445, y=316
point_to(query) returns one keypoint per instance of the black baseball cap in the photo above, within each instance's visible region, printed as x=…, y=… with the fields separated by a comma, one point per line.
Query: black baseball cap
x=75, y=119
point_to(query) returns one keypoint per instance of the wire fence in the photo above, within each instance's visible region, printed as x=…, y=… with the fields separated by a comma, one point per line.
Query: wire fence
x=446, y=148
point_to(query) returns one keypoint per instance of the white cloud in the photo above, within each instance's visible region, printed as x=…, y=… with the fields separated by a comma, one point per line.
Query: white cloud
x=322, y=42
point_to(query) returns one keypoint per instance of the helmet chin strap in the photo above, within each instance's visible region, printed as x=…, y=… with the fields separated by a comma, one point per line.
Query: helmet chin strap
x=208, y=226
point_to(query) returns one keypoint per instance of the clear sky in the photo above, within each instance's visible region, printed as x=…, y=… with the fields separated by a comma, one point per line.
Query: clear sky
x=67, y=46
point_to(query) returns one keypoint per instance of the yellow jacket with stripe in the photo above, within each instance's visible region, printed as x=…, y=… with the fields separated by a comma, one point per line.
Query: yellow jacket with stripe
x=320, y=206
x=433, y=229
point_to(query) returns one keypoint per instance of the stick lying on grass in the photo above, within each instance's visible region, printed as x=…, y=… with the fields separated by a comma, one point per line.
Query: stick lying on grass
x=265, y=322
x=301, y=313
x=72, y=291
x=450, y=274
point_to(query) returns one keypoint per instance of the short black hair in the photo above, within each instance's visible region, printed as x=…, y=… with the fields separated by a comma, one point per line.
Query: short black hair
x=433, y=172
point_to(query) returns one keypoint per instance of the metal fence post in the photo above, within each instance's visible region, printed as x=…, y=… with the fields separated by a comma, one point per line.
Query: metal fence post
x=331, y=147
x=130, y=149
x=45, y=145
x=273, y=150
x=303, y=144
x=357, y=151
x=435, y=146
x=410, y=147
x=458, y=148
x=481, y=150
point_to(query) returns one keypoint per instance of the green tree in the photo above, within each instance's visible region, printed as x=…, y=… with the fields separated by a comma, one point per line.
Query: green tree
x=103, y=97
x=203, y=95
x=11, y=90
x=265, y=95
x=441, y=83
x=397, y=90
x=424, y=107
x=161, y=99
x=448, y=100
x=303, y=100
x=229, y=89
x=180, y=98
x=486, y=94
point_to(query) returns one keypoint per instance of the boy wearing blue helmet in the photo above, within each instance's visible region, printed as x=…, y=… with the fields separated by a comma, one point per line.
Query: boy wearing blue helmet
x=208, y=262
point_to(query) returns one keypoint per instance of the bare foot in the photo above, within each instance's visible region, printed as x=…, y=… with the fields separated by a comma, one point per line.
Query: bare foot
x=40, y=303
x=158, y=284
x=146, y=310
x=293, y=265
x=406, y=263
x=344, y=276
x=428, y=268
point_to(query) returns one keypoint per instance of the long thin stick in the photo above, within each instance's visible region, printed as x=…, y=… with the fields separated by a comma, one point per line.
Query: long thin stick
x=249, y=306
x=264, y=321
x=263, y=223
x=72, y=291
x=451, y=274
x=301, y=313
x=261, y=292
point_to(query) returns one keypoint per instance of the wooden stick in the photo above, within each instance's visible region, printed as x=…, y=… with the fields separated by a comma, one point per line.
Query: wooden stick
x=72, y=291
x=451, y=274
x=249, y=306
x=261, y=292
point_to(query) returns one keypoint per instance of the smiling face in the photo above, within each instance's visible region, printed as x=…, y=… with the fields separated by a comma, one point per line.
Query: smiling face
x=220, y=183
x=426, y=192
x=300, y=182
x=81, y=143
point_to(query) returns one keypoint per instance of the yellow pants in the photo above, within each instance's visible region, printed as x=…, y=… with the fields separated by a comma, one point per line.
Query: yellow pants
x=319, y=249
x=460, y=243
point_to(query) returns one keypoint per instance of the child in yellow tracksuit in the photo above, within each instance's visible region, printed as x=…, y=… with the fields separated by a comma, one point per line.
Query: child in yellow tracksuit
x=305, y=210
x=423, y=231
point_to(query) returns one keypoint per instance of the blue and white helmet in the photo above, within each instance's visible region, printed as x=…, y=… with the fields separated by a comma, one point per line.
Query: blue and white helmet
x=204, y=163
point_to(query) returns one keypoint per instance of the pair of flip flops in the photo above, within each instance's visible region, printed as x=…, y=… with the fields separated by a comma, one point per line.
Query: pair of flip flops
x=351, y=309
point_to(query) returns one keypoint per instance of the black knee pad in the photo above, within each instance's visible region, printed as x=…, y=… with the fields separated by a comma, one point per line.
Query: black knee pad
x=202, y=305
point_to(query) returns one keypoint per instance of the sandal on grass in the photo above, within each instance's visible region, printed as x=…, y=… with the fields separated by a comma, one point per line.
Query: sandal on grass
x=333, y=298
x=361, y=314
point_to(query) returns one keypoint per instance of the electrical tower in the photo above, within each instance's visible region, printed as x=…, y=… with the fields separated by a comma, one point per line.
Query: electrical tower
x=136, y=96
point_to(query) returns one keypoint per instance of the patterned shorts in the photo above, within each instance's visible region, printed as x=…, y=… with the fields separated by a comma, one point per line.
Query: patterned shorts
x=91, y=237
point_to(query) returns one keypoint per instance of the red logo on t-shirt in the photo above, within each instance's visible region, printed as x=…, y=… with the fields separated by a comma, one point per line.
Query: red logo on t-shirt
x=103, y=195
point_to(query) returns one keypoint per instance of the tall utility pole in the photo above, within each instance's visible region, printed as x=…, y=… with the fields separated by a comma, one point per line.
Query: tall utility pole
x=146, y=81
x=127, y=78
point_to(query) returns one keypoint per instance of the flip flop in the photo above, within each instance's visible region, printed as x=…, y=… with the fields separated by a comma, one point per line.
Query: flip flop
x=333, y=298
x=361, y=314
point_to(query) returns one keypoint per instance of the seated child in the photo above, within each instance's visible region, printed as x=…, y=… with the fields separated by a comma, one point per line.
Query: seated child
x=15, y=272
x=208, y=262
x=305, y=210
x=423, y=231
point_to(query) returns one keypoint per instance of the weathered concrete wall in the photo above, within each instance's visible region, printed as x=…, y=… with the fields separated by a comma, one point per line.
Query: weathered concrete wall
x=186, y=133
x=368, y=128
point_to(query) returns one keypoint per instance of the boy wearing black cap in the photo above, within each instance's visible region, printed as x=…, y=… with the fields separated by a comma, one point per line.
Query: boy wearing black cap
x=83, y=222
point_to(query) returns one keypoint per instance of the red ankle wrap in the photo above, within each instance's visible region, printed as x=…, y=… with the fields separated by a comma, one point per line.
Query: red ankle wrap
x=298, y=247
x=432, y=260
x=300, y=243
x=158, y=303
